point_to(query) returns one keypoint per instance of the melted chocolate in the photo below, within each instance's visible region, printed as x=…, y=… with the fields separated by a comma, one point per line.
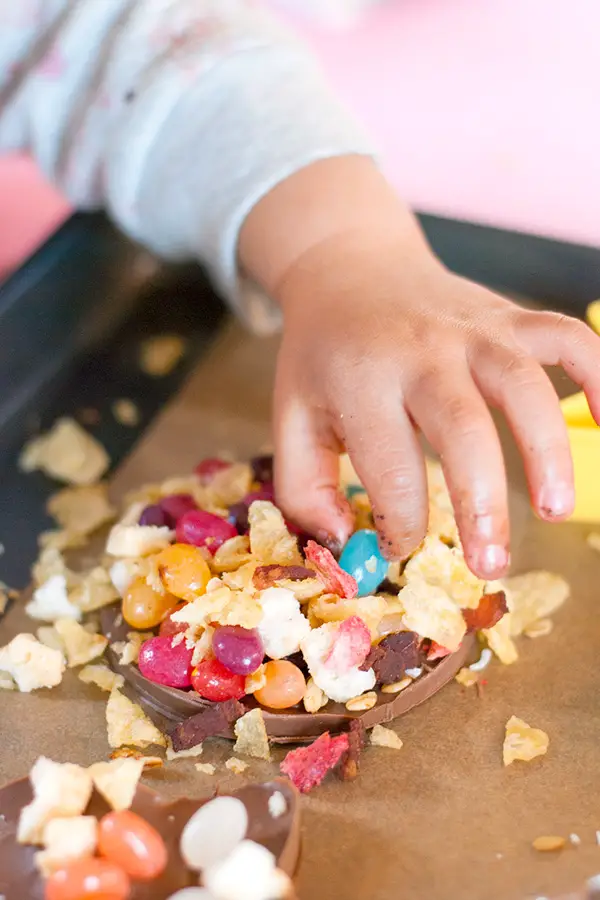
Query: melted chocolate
x=168, y=706
x=20, y=880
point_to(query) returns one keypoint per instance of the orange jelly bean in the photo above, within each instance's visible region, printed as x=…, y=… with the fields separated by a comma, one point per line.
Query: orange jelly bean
x=285, y=685
x=88, y=879
x=130, y=842
x=145, y=608
x=183, y=571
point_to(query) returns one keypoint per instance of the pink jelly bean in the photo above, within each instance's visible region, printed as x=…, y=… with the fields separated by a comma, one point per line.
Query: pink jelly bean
x=163, y=663
x=203, y=529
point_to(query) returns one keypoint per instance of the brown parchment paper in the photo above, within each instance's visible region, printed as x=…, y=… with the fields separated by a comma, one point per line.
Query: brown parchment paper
x=441, y=818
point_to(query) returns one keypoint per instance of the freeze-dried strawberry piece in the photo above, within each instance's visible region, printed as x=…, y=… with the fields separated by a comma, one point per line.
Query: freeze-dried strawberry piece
x=489, y=612
x=349, y=763
x=351, y=646
x=267, y=576
x=436, y=651
x=306, y=767
x=393, y=656
x=334, y=578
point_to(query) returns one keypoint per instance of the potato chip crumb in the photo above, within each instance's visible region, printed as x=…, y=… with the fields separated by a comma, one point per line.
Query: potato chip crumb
x=161, y=354
x=277, y=805
x=31, y=664
x=101, y=676
x=548, y=843
x=126, y=412
x=575, y=840
x=94, y=591
x=51, y=601
x=541, y=628
x=440, y=566
x=523, y=742
x=190, y=753
x=128, y=651
x=533, y=596
x=49, y=636
x=67, y=453
x=237, y=766
x=593, y=540
x=385, y=737
x=59, y=790
x=66, y=840
x=130, y=541
x=270, y=540
x=466, y=677
x=431, y=613
x=500, y=642
x=257, y=680
x=150, y=762
x=128, y=724
x=117, y=780
x=205, y=768
x=81, y=510
x=80, y=646
x=251, y=734
x=6, y=682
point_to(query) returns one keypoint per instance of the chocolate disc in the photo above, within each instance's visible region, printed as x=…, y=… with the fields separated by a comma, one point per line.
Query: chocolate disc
x=169, y=706
x=20, y=880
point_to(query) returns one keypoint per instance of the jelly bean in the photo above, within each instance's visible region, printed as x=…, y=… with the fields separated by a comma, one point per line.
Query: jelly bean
x=161, y=662
x=145, y=608
x=285, y=685
x=88, y=879
x=154, y=515
x=214, y=682
x=238, y=517
x=183, y=570
x=262, y=469
x=266, y=492
x=203, y=529
x=239, y=649
x=177, y=505
x=130, y=842
x=362, y=559
x=213, y=832
x=208, y=468
x=169, y=627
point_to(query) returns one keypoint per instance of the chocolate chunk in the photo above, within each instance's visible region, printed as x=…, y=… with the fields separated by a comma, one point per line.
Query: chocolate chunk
x=393, y=656
x=267, y=576
x=207, y=723
x=489, y=612
x=349, y=764
x=262, y=468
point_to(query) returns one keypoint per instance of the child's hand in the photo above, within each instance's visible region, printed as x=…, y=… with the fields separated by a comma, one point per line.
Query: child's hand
x=380, y=341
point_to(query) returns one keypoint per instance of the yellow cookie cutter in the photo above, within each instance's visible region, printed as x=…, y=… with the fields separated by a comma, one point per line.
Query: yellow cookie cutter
x=584, y=437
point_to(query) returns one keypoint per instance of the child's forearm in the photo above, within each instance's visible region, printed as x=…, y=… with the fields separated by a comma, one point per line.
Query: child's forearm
x=178, y=117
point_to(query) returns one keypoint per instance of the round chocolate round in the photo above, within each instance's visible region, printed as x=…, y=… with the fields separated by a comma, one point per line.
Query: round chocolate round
x=19, y=877
x=169, y=706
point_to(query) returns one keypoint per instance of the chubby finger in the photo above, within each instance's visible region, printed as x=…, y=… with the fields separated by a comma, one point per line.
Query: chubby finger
x=558, y=340
x=454, y=418
x=385, y=451
x=307, y=473
x=518, y=385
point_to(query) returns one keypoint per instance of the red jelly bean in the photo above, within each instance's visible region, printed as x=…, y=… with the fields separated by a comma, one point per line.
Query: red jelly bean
x=175, y=506
x=170, y=628
x=214, y=682
x=161, y=662
x=208, y=468
x=130, y=842
x=88, y=879
x=203, y=529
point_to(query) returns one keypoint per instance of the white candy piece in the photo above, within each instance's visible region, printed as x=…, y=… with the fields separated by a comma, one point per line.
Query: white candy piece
x=137, y=540
x=340, y=688
x=283, y=625
x=192, y=893
x=51, y=602
x=213, y=832
x=122, y=573
x=249, y=872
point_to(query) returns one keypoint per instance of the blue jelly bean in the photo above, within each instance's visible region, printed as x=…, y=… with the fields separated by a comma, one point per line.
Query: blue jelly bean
x=353, y=489
x=362, y=559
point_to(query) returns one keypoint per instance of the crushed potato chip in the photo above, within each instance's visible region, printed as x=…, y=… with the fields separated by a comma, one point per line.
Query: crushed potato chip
x=81, y=647
x=270, y=540
x=593, y=540
x=438, y=565
x=228, y=486
x=51, y=601
x=138, y=540
x=128, y=724
x=65, y=841
x=49, y=636
x=237, y=766
x=333, y=608
x=67, y=453
x=128, y=651
x=523, y=742
x=189, y=753
x=6, y=682
x=431, y=613
x=51, y=562
x=126, y=412
x=251, y=734
x=59, y=539
x=257, y=680
x=94, y=591
x=224, y=606
x=541, y=628
x=385, y=737
x=81, y=510
x=60, y=790
x=500, y=642
x=533, y=596
x=101, y=676
x=160, y=354
x=205, y=768
x=466, y=677
x=232, y=555
x=117, y=780
x=31, y=664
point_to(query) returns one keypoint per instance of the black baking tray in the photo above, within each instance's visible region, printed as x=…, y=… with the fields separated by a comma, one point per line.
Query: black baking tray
x=73, y=316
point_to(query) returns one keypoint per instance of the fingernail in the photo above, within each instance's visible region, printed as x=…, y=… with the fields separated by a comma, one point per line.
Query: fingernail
x=330, y=541
x=491, y=560
x=556, y=500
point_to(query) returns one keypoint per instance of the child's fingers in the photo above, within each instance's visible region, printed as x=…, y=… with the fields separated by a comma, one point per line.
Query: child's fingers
x=454, y=418
x=307, y=472
x=519, y=386
x=387, y=456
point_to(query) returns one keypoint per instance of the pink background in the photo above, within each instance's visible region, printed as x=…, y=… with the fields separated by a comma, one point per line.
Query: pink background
x=483, y=109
